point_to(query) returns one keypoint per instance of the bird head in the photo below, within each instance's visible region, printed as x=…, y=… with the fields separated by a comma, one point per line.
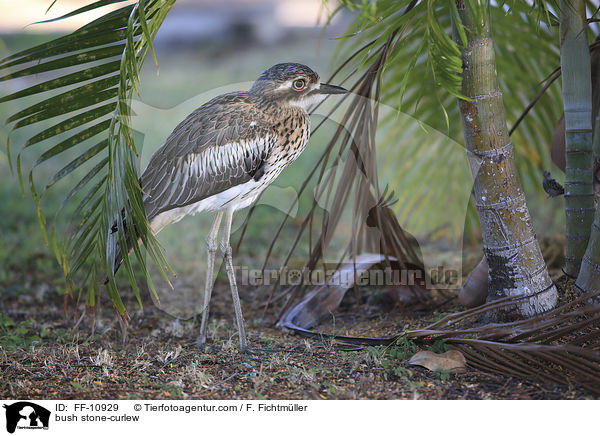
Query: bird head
x=292, y=84
x=546, y=174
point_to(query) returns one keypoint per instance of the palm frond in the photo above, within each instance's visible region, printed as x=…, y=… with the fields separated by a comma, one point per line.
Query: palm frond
x=91, y=74
x=412, y=83
x=561, y=346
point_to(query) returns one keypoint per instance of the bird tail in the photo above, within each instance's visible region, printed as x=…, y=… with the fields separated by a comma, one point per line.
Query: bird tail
x=114, y=229
x=119, y=253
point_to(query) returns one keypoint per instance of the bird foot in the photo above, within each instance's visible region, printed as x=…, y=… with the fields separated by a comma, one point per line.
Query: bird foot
x=258, y=352
x=203, y=347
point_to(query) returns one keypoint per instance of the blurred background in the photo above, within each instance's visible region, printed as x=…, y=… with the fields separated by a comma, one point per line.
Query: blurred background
x=205, y=48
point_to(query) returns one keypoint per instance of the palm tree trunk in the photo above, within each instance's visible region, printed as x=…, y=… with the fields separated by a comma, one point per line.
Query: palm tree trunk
x=588, y=279
x=516, y=266
x=577, y=93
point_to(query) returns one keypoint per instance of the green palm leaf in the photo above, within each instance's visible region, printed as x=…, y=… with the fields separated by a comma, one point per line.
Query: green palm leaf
x=93, y=73
x=421, y=80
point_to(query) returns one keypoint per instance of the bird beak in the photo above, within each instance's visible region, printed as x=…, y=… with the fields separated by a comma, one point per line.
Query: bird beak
x=325, y=88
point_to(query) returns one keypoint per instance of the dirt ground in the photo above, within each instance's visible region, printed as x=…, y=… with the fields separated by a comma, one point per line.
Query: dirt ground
x=42, y=358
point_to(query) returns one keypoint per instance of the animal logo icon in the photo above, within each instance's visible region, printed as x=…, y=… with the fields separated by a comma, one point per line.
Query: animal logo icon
x=25, y=414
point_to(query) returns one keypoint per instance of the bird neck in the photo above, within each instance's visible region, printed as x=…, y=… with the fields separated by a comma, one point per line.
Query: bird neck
x=279, y=111
x=273, y=107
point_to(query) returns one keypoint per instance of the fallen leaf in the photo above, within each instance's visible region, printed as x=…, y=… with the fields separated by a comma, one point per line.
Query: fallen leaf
x=449, y=360
x=318, y=304
x=475, y=290
x=321, y=301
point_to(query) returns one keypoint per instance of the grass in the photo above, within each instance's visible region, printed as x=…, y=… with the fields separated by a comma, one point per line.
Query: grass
x=42, y=357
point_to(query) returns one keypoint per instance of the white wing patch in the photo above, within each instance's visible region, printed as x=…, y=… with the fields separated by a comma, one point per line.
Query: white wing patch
x=222, y=159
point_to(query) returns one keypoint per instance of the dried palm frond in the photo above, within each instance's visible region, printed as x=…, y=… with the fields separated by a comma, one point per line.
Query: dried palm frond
x=560, y=346
x=351, y=183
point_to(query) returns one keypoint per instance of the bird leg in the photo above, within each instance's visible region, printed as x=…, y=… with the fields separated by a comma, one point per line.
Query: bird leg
x=211, y=249
x=226, y=247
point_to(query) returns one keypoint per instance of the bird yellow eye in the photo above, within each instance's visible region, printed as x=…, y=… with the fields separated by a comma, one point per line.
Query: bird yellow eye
x=299, y=84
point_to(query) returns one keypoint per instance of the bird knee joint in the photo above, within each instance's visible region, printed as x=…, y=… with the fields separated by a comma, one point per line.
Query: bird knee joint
x=211, y=245
x=226, y=249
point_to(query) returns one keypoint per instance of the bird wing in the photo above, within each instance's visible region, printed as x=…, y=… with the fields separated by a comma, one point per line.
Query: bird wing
x=220, y=145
